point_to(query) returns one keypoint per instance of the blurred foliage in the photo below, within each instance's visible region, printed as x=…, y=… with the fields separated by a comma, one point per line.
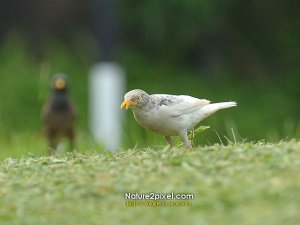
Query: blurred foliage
x=254, y=38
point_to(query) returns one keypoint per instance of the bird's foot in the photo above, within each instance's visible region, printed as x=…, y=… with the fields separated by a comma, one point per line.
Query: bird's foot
x=170, y=141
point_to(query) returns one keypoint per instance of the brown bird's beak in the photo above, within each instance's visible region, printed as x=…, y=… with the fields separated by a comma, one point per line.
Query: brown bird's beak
x=127, y=104
x=59, y=84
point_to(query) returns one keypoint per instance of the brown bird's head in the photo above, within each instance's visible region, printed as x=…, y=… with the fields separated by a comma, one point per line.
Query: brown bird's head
x=60, y=83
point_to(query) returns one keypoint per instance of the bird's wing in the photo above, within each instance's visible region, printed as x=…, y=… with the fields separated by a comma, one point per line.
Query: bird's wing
x=176, y=105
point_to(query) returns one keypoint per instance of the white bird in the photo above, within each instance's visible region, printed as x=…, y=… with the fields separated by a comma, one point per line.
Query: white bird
x=170, y=115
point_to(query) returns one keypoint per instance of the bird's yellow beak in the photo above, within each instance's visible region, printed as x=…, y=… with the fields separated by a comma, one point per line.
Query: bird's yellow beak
x=126, y=104
x=59, y=84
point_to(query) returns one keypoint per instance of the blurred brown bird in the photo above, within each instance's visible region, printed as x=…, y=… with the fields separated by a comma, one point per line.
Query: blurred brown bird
x=58, y=114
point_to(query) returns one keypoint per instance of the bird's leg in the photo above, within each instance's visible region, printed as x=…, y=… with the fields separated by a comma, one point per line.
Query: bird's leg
x=185, y=139
x=71, y=135
x=170, y=141
x=52, y=146
x=52, y=142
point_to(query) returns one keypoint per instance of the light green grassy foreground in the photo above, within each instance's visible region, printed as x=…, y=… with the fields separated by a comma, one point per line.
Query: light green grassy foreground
x=236, y=184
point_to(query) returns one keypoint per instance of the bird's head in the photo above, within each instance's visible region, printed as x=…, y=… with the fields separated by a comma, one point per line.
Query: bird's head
x=134, y=98
x=59, y=83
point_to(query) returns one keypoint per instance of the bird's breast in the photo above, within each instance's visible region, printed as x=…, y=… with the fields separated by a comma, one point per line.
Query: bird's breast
x=61, y=104
x=153, y=121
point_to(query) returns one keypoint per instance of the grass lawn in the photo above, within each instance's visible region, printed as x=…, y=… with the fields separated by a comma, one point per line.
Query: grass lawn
x=237, y=184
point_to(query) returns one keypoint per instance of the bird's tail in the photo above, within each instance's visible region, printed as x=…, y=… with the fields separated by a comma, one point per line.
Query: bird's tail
x=212, y=108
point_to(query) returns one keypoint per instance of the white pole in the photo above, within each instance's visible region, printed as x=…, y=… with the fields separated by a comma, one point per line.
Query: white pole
x=107, y=87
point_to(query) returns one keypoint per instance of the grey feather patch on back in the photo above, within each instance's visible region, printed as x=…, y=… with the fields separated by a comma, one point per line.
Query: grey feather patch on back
x=166, y=102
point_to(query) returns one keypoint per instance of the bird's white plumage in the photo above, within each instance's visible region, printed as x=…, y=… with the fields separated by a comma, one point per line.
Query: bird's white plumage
x=171, y=115
x=182, y=104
